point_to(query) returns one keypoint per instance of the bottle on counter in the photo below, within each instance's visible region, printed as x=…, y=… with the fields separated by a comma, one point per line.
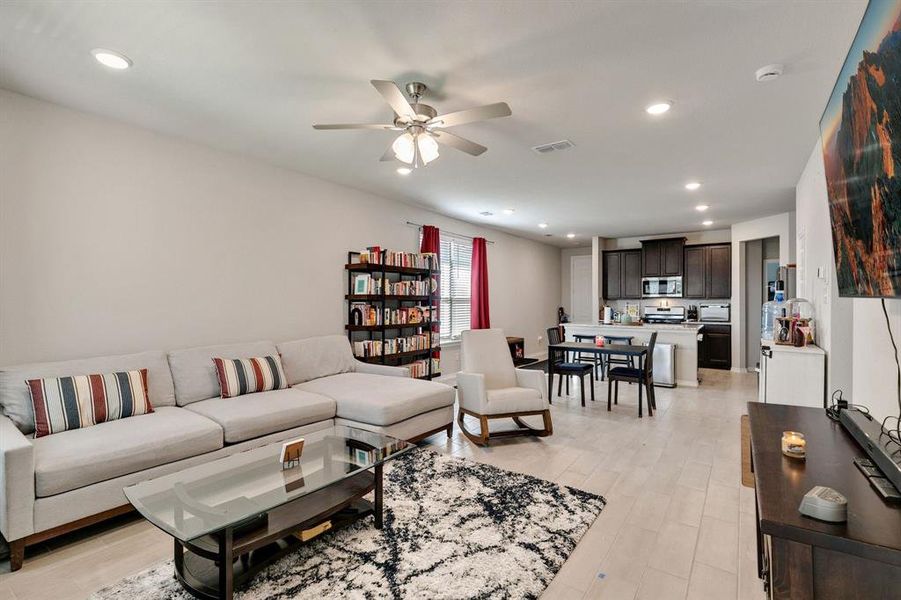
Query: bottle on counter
x=771, y=311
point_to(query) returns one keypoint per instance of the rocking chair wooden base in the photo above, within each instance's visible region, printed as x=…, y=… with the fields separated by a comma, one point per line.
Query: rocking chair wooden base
x=524, y=428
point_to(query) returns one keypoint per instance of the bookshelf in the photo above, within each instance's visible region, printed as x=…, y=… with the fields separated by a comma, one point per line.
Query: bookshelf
x=391, y=309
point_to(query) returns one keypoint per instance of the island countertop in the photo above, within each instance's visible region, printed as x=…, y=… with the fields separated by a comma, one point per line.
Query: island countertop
x=679, y=327
x=682, y=336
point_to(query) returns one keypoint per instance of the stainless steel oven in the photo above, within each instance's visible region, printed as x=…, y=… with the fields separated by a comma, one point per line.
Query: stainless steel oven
x=661, y=287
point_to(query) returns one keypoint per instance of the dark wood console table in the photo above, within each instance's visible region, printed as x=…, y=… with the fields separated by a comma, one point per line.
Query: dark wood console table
x=802, y=558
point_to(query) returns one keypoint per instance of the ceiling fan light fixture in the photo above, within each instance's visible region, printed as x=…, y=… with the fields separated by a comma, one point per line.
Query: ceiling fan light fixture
x=428, y=147
x=403, y=148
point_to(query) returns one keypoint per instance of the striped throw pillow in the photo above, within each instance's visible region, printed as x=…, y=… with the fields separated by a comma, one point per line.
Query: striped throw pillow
x=239, y=376
x=63, y=403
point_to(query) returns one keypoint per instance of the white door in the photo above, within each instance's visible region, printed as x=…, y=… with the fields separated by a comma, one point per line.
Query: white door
x=580, y=289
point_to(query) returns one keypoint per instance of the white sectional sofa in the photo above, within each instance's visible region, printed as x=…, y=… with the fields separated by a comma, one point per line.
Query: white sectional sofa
x=57, y=483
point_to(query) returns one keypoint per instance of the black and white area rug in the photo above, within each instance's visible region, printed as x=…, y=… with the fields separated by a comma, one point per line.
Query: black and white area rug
x=453, y=529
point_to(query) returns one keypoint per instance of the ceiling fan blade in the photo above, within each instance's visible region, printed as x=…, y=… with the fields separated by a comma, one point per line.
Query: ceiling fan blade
x=455, y=141
x=489, y=111
x=356, y=126
x=388, y=156
x=394, y=97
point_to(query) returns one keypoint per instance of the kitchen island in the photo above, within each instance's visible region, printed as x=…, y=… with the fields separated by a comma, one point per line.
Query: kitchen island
x=683, y=336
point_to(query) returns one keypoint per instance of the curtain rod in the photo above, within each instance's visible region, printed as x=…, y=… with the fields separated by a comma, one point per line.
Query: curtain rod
x=469, y=237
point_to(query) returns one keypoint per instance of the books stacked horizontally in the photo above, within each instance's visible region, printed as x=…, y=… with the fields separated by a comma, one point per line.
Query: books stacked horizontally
x=369, y=348
x=420, y=368
x=415, y=260
x=367, y=314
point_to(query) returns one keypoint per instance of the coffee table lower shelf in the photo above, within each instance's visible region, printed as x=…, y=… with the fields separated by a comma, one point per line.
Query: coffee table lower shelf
x=211, y=567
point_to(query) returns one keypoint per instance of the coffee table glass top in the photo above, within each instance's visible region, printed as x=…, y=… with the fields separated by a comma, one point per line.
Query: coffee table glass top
x=229, y=491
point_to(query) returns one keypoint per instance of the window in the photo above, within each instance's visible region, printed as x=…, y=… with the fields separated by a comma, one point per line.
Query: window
x=456, y=261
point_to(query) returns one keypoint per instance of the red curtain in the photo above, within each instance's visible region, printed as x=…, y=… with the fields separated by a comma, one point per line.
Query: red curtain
x=431, y=242
x=478, y=309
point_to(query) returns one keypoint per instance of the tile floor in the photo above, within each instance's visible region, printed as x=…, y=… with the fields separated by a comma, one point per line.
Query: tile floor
x=678, y=523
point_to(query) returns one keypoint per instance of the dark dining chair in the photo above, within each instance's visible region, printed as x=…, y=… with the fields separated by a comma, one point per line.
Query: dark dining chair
x=613, y=340
x=644, y=377
x=596, y=360
x=567, y=369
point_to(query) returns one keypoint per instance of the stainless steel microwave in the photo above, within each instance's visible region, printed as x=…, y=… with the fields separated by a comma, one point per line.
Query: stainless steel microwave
x=661, y=287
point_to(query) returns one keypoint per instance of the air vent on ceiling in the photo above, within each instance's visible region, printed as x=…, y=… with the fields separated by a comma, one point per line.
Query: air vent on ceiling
x=486, y=213
x=553, y=147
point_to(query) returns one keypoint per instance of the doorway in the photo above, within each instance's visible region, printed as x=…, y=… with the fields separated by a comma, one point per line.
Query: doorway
x=580, y=288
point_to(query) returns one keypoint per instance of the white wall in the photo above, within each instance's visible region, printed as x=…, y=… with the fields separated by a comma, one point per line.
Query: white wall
x=816, y=279
x=781, y=226
x=116, y=239
x=860, y=359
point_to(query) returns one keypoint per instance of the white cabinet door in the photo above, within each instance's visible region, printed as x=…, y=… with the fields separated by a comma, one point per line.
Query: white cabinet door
x=796, y=378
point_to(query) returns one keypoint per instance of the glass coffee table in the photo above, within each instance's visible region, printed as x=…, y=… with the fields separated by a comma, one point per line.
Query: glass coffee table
x=233, y=516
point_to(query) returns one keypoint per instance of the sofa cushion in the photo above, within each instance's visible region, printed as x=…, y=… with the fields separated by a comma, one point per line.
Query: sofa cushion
x=316, y=357
x=514, y=399
x=15, y=398
x=239, y=376
x=194, y=373
x=380, y=400
x=63, y=403
x=80, y=457
x=246, y=417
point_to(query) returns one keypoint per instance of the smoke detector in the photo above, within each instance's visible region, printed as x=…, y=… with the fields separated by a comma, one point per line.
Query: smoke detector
x=553, y=147
x=769, y=72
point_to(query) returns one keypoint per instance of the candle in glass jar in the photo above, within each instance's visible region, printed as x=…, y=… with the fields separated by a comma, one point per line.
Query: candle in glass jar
x=794, y=444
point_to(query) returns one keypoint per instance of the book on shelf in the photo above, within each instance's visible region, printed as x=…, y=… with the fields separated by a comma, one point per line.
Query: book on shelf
x=372, y=315
x=420, y=368
x=398, y=345
x=365, y=284
x=414, y=260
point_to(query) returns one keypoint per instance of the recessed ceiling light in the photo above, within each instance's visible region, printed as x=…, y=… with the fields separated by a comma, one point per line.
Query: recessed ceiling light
x=111, y=59
x=659, y=108
x=542, y=225
x=404, y=170
x=692, y=185
x=701, y=207
x=570, y=235
x=509, y=211
x=707, y=223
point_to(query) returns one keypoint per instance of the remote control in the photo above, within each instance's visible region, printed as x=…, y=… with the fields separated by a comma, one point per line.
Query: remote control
x=885, y=489
x=867, y=467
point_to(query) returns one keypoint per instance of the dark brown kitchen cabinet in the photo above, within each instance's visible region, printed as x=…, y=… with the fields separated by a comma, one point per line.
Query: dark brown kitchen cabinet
x=613, y=275
x=671, y=257
x=622, y=274
x=650, y=259
x=662, y=258
x=715, y=347
x=708, y=272
x=719, y=271
x=694, y=278
x=632, y=274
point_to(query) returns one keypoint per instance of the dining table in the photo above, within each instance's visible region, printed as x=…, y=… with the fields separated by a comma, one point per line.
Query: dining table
x=640, y=352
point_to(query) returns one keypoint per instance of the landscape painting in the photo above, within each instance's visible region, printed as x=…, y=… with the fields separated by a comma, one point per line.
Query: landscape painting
x=861, y=133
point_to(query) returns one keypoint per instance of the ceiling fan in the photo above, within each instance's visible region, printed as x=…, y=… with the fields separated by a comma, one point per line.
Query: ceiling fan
x=422, y=126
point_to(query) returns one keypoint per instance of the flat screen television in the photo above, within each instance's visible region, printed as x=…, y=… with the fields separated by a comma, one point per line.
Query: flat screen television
x=861, y=135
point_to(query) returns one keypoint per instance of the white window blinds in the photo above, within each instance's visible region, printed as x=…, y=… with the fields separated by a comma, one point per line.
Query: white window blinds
x=456, y=262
